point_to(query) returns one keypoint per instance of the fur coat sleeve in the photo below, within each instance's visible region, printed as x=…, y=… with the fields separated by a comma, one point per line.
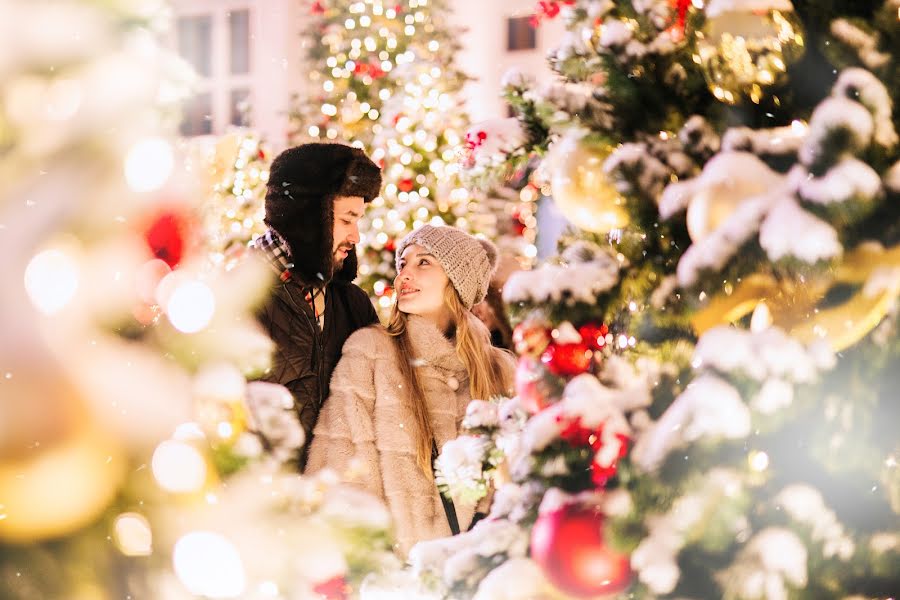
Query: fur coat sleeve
x=344, y=437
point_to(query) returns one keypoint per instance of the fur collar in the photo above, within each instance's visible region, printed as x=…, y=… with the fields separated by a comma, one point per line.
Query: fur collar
x=432, y=346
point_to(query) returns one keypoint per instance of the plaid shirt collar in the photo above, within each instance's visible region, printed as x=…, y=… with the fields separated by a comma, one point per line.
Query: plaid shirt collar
x=277, y=252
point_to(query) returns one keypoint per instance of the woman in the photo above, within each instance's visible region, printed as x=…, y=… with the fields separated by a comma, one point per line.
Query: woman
x=399, y=393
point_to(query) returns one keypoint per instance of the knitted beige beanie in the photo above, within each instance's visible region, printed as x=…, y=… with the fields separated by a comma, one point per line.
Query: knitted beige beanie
x=468, y=261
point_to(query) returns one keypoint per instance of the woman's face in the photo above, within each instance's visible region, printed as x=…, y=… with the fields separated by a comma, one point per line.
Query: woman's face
x=420, y=284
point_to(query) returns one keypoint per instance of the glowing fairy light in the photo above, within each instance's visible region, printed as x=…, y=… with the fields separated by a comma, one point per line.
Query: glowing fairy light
x=209, y=565
x=178, y=467
x=132, y=535
x=191, y=306
x=759, y=461
x=51, y=280
x=148, y=164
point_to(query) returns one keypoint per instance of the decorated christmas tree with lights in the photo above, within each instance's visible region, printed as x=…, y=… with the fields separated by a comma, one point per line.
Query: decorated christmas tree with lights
x=706, y=392
x=382, y=76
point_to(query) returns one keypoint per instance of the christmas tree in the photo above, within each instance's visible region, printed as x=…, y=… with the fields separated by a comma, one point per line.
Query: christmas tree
x=382, y=77
x=135, y=458
x=706, y=402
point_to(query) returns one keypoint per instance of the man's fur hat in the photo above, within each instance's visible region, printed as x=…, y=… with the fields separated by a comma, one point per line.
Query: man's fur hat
x=303, y=183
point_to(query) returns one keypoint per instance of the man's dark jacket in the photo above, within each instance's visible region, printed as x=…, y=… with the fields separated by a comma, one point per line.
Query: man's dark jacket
x=302, y=185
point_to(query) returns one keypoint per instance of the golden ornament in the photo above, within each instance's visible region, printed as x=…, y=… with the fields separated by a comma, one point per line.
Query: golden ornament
x=743, y=52
x=61, y=488
x=727, y=180
x=581, y=190
x=794, y=305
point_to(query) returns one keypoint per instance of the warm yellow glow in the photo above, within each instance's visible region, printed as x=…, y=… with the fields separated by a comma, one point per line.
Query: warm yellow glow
x=132, y=534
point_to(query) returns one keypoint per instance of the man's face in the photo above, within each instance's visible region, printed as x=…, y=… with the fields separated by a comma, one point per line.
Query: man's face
x=347, y=212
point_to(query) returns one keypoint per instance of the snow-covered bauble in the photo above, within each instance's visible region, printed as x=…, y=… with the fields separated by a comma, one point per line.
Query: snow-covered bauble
x=582, y=191
x=568, y=544
x=746, y=46
x=727, y=180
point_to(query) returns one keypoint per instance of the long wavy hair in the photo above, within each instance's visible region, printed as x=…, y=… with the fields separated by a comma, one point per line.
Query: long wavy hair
x=486, y=378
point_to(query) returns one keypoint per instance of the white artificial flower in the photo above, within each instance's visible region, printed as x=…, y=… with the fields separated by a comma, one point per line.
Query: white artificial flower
x=460, y=466
x=481, y=413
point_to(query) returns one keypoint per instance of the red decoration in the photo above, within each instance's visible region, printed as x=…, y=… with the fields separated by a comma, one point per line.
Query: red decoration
x=568, y=545
x=594, y=335
x=405, y=185
x=335, y=588
x=390, y=245
x=530, y=388
x=166, y=237
x=261, y=154
x=677, y=29
x=547, y=9
x=579, y=436
x=317, y=8
x=531, y=338
x=568, y=359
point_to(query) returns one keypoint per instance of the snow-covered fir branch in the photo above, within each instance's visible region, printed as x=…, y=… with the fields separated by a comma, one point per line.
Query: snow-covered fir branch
x=865, y=44
x=580, y=278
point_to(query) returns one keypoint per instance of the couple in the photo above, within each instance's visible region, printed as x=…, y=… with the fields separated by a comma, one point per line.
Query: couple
x=399, y=392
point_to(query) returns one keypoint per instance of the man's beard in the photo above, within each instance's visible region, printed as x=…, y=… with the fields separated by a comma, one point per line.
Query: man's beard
x=338, y=259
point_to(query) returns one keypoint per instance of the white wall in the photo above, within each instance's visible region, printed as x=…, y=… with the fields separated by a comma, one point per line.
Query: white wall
x=484, y=55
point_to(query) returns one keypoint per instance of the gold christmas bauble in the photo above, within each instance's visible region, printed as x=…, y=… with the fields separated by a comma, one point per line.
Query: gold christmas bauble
x=56, y=490
x=727, y=180
x=743, y=52
x=581, y=190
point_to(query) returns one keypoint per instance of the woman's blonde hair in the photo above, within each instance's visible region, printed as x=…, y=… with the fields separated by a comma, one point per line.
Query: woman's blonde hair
x=486, y=378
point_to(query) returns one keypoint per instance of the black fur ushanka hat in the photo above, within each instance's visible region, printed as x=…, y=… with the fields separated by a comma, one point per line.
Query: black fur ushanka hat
x=303, y=183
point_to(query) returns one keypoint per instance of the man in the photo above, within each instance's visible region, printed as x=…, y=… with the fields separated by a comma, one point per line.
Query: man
x=315, y=196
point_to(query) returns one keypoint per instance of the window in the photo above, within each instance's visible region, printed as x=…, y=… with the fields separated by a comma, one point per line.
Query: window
x=520, y=34
x=239, y=30
x=216, y=40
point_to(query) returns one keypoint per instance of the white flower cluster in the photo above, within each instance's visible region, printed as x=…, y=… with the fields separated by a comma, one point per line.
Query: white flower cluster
x=806, y=505
x=576, y=280
x=271, y=415
x=773, y=559
x=459, y=468
x=481, y=414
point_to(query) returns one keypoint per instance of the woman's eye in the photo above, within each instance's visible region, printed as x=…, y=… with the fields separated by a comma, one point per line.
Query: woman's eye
x=345, y=221
x=423, y=261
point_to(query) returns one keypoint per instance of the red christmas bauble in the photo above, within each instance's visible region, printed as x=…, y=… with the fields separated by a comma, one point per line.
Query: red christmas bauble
x=568, y=545
x=405, y=185
x=528, y=388
x=166, y=237
x=594, y=335
x=567, y=359
x=530, y=338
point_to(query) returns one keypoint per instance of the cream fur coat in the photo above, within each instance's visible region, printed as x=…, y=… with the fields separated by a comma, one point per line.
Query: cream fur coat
x=365, y=419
